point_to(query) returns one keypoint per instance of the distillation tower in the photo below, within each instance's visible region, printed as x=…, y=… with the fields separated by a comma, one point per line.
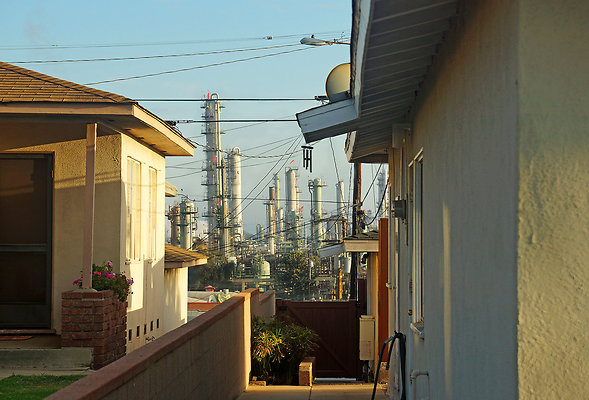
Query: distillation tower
x=383, y=188
x=317, y=228
x=234, y=185
x=293, y=220
x=271, y=219
x=183, y=219
x=213, y=181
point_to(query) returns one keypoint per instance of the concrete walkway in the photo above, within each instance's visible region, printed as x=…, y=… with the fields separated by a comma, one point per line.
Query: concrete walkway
x=347, y=391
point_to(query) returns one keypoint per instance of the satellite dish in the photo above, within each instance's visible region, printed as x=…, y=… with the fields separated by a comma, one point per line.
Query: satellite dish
x=337, y=85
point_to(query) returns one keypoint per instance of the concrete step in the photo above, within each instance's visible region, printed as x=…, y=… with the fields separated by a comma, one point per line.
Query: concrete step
x=64, y=358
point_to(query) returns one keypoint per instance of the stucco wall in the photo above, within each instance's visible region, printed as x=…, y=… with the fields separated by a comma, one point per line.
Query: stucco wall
x=553, y=274
x=146, y=303
x=67, y=142
x=465, y=121
x=175, y=298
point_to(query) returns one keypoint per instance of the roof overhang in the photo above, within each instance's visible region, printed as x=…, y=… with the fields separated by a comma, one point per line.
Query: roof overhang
x=171, y=190
x=177, y=257
x=393, y=46
x=351, y=245
x=127, y=118
x=185, y=264
x=328, y=120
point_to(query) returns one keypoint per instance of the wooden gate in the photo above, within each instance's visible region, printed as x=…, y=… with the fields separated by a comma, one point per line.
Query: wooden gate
x=336, y=323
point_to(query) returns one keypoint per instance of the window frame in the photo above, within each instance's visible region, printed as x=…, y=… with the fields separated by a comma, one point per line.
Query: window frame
x=416, y=223
x=152, y=216
x=133, y=209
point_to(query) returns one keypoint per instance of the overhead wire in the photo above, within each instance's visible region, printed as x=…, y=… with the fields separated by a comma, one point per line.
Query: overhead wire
x=252, y=190
x=176, y=55
x=249, y=148
x=197, y=67
x=334, y=161
x=165, y=43
x=379, y=205
x=371, y=184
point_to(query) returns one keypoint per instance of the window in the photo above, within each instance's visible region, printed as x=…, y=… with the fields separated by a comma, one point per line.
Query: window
x=152, y=238
x=417, y=275
x=133, y=188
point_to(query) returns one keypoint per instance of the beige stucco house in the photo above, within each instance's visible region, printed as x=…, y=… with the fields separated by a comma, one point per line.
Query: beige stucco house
x=48, y=128
x=480, y=108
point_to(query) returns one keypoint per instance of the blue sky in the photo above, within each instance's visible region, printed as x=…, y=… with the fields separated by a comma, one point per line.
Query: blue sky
x=68, y=29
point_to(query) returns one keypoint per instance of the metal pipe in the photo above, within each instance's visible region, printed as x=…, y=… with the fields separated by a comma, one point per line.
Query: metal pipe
x=413, y=377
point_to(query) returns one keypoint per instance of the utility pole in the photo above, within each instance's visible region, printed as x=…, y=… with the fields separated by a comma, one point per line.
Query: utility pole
x=356, y=227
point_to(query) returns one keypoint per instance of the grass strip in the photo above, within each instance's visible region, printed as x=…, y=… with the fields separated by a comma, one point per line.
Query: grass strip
x=20, y=387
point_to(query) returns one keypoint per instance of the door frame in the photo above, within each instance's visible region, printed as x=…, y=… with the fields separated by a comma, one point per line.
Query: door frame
x=45, y=309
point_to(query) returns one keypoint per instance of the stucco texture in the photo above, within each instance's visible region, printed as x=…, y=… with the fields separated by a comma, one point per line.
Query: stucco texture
x=146, y=303
x=67, y=142
x=553, y=211
x=465, y=121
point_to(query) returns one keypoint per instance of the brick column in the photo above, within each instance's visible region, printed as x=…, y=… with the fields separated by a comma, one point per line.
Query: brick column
x=97, y=320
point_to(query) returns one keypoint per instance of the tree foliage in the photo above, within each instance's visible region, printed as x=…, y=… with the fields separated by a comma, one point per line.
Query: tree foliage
x=293, y=272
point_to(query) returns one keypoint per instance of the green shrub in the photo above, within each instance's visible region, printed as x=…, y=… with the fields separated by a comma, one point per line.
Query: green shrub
x=278, y=347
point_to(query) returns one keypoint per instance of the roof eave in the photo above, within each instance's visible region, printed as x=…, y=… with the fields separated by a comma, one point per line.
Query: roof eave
x=129, y=118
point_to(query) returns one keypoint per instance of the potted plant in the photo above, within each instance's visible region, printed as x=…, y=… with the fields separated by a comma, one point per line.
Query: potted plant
x=103, y=278
x=278, y=347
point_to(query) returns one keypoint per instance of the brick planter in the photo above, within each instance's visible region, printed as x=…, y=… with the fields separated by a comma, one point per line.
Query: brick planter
x=97, y=320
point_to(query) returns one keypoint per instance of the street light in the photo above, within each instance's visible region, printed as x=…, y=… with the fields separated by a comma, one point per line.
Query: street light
x=313, y=41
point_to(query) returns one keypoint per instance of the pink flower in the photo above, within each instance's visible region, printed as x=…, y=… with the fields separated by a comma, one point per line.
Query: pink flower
x=109, y=263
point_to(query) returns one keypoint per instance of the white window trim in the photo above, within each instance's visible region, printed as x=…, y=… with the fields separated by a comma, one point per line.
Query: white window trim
x=133, y=185
x=417, y=243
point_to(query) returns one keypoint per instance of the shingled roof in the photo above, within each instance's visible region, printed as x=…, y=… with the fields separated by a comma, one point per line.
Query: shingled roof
x=23, y=85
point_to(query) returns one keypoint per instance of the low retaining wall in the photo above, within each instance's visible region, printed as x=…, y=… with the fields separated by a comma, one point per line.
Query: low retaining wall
x=266, y=306
x=97, y=320
x=207, y=358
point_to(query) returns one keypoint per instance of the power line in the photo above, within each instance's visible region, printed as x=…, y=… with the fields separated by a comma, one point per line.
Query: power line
x=197, y=67
x=294, y=143
x=249, y=148
x=379, y=205
x=241, y=154
x=371, y=184
x=194, y=121
x=203, y=53
x=167, y=43
x=334, y=162
x=234, y=99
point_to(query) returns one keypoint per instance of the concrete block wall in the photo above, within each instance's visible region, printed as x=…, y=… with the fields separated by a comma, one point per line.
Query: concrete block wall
x=96, y=320
x=209, y=357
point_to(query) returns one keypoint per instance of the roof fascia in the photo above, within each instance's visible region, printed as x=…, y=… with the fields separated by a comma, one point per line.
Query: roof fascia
x=364, y=21
x=184, y=147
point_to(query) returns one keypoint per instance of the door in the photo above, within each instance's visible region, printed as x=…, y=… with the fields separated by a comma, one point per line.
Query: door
x=26, y=184
x=336, y=324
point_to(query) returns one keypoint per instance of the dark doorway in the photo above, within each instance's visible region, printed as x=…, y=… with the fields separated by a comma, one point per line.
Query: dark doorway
x=26, y=186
